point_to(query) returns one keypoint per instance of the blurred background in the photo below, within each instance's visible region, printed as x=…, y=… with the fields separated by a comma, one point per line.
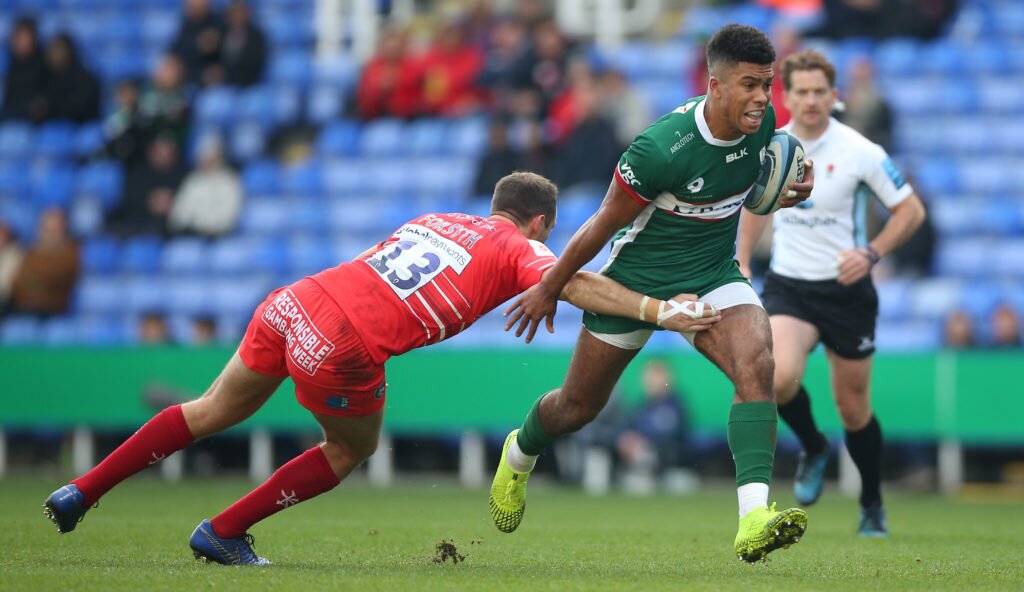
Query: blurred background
x=165, y=164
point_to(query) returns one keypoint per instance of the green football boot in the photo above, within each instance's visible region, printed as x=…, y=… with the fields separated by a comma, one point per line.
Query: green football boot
x=764, y=530
x=508, y=492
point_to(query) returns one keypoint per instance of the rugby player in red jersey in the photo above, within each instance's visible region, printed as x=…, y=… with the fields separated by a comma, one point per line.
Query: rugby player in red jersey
x=333, y=331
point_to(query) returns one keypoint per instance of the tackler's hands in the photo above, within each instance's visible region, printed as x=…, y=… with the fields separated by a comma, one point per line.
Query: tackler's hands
x=798, y=192
x=537, y=303
x=683, y=313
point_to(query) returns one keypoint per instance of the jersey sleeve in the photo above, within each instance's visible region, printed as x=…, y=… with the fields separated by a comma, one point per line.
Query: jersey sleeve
x=532, y=260
x=884, y=179
x=642, y=170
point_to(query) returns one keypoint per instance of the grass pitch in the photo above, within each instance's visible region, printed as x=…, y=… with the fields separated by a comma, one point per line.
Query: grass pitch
x=358, y=538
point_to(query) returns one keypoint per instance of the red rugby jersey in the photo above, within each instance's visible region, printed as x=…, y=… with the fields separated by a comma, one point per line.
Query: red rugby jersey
x=432, y=278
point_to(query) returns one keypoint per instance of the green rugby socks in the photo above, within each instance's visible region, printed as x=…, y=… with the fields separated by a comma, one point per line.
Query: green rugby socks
x=751, y=433
x=532, y=438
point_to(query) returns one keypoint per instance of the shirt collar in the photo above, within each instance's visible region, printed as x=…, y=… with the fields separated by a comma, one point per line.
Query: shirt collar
x=705, y=131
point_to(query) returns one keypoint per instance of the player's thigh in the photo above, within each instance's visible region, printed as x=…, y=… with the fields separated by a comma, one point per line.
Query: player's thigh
x=740, y=345
x=235, y=395
x=792, y=340
x=851, y=388
x=349, y=441
x=595, y=368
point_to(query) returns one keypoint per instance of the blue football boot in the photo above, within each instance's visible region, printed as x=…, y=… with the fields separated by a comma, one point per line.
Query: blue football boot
x=207, y=545
x=873, y=522
x=810, y=476
x=65, y=508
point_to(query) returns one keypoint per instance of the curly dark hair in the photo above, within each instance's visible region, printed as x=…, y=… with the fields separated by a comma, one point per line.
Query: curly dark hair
x=739, y=43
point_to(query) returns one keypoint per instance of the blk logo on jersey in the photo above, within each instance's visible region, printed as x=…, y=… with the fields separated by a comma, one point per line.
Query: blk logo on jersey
x=735, y=156
x=697, y=185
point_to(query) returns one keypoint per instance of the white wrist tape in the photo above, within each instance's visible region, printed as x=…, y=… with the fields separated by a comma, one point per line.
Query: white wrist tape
x=643, y=308
x=670, y=308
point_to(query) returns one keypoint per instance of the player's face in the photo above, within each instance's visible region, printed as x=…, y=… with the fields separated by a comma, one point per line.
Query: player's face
x=810, y=98
x=745, y=90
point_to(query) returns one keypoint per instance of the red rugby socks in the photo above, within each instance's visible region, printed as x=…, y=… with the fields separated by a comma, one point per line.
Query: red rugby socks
x=304, y=477
x=160, y=437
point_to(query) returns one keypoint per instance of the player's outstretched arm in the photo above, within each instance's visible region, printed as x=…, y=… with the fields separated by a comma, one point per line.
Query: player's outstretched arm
x=751, y=228
x=539, y=302
x=598, y=294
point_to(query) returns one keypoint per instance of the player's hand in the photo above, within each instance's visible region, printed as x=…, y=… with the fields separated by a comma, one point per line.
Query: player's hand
x=684, y=322
x=854, y=264
x=800, y=191
x=531, y=307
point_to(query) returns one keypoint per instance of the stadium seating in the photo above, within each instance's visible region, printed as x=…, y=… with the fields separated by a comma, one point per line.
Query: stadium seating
x=363, y=179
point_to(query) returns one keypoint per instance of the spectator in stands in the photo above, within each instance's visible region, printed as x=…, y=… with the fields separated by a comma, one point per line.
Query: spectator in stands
x=153, y=329
x=204, y=331
x=786, y=41
x=449, y=70
x=914, y=258
x=958, y=332
x=590, y=149
x=125, y=130
x=537, y=155
x=508, y=66
x=164, y=105
x=244, y=50
x=551, y=61
x=11, y=255
x=210, y=199
x=389, y=83
x=626, y=109
x=1005, y=326
x=499, y=160
x=25, y=79
x=47, y=274
x=479, y=24
x=149, y=190
x=198, y=43
x=72, y=91
x=658, y=431
x=864, y=108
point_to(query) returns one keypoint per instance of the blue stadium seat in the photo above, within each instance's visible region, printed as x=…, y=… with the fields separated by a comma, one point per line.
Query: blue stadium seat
x=980, y=299
x=1009, y=259
x=268, y=105
x=943, y=58
x=383, y=137
x=966, y=257
x=247, y=141
x=100, y=329
x=88, y=139
x=100, y=255
x=934, y=298
x=894, y=298
x=291, y=31
x=1000, y=95
x=939, y=175
x=302, y=179
x=308, y=256
x=307, y=216
x=468, y=136
x=325, y=103
x=216, y=106
x=986, y=57
x=239, y=296
x=16, y=139
x=427, y=137
x=102, y=179
x=264, y=216
x=190, y=296
x=186, y=256
x=53, y=185
x=348, y=177
x=268, y=255
x=291, y=68
x=14, y=179
x=85, y=216
x=339, y=70
x=908, y=336
x=145, y=294
x=261, y=177
x=664, y=95
x=158, y=27
x=141, y=255
x=19, y=331
x=339, y=138
x=955, y=215
x=897, y=57
x=389, y=176
x=231, y=256
x=98, y=294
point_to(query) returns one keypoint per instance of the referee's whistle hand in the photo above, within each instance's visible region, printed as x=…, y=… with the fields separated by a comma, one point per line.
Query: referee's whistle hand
x=800, y=191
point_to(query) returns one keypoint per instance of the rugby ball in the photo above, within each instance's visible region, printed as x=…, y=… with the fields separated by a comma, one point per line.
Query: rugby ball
x=783, y=163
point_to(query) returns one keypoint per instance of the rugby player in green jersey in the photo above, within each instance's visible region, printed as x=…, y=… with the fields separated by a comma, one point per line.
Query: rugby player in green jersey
x=672, y=212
